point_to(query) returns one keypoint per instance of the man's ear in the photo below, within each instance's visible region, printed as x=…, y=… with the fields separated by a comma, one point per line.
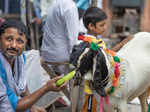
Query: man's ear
x=91, y=26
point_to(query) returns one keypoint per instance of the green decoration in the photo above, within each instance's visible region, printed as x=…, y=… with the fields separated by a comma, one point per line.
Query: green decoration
x=148, y=108
x=116, y=59
x=112, y=90
x=94, y=46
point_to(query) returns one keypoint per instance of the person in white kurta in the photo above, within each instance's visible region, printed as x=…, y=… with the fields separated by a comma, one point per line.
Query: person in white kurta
x=60, y=32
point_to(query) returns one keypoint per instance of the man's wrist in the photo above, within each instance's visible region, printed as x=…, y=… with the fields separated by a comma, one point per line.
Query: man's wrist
x=46, y=88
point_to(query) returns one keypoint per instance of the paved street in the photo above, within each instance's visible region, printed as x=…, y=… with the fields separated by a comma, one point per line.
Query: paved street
x=134, y=108
x=131, y=108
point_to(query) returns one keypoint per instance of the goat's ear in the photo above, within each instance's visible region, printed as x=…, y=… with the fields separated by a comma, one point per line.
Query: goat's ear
x=100, y=69
x=100, y=72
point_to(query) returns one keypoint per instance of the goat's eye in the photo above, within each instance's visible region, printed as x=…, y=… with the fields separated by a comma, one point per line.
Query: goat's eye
x=75, y=48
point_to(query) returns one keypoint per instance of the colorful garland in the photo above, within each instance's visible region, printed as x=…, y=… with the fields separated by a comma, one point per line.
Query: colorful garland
x=95, y=45
x=115, y=62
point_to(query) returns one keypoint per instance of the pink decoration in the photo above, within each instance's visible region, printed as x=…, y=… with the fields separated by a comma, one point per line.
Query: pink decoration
x=117, y=71
x=107, y=100
x=101, y=104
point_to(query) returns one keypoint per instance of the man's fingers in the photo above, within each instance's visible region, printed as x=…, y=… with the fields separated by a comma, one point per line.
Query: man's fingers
x=63, y=85
x=57, y=78
x=42, y=110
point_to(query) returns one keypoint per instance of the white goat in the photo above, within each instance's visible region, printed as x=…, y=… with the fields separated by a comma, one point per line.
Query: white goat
x=136, y=53
x=136, y=72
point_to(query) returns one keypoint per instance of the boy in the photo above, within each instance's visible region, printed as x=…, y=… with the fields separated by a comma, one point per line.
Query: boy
x=94, y=20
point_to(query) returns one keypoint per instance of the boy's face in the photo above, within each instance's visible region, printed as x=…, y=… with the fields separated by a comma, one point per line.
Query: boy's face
x=99, y=28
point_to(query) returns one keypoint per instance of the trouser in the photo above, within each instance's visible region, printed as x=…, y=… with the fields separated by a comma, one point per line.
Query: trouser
x=60, y=69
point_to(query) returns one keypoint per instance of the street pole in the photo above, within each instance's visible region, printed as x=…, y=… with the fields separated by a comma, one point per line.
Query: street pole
x=145, y=17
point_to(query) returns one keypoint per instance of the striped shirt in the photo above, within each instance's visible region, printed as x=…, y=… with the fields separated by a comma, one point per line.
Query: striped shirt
x=60, y=31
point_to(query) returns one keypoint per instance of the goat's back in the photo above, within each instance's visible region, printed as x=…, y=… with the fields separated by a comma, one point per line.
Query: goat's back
x=137, y=54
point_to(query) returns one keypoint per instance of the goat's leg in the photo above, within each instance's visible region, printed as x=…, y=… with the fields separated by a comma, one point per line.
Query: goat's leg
x=143, y=100
x=122, y=106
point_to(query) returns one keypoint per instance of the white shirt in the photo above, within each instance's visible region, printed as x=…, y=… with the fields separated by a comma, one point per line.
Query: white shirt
x=45, y=4
x=99, y=4
x=60, y=31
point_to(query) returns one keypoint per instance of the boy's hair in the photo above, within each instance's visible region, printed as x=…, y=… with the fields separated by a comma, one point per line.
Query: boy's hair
x=12, y=23
x=93, y=15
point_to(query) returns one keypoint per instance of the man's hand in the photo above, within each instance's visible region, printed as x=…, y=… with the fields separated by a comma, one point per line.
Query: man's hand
x=37, y=109
x=51, y=84
x=37, y=21
x=1, y=21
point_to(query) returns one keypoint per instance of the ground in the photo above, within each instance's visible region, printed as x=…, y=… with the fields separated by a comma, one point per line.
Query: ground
x=131, y=108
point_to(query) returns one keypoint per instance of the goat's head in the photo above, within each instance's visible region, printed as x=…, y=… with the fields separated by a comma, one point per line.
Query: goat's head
x=85, y=59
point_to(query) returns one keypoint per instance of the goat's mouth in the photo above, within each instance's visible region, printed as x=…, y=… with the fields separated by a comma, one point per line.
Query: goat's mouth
x=71, y=66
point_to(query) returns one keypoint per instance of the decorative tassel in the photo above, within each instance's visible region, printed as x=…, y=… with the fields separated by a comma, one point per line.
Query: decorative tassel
x=107, y=100
x=89, y=40
x=101, y=104
x=115, y=82
x=94, y=46
x=81, y=37
x=116, y=59
x=148, y=107
x=117, y=70
x=108, y=51
x=111, y=90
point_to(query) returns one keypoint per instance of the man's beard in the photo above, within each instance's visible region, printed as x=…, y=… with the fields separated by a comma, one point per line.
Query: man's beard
x=10, y=57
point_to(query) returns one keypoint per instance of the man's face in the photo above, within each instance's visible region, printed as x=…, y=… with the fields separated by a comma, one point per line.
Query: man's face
x=12, y=43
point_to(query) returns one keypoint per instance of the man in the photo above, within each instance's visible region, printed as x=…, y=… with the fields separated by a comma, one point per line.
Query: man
x=60, y=34
x=40, y=9
x=14, y=94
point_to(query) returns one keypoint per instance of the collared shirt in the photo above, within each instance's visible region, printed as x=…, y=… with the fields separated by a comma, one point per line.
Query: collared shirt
x=60, y=31
x=82, y=4
x=12, y=86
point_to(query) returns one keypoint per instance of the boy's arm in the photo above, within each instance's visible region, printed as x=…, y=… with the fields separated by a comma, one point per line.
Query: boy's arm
x=122, y=43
